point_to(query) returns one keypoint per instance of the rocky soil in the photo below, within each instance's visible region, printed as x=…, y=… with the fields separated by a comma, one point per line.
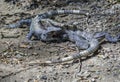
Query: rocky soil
x=102, y=66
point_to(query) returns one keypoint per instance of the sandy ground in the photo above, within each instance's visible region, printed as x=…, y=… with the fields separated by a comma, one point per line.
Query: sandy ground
x=102, y=66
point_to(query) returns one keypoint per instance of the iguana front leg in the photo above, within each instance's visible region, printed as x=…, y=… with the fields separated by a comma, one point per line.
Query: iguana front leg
x=36, y=29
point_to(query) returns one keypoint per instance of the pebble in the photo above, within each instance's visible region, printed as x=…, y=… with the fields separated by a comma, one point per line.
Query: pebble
x=75, y=23
x=104, y=56
x=98, y=72
x=44, y=77
x=67, y=66
x=93, y=80
x=6, y=53
x=96, y=76
x=18, y=56
x=85, y=74
x=35, y=80
x=34, y=53
x=91, y=65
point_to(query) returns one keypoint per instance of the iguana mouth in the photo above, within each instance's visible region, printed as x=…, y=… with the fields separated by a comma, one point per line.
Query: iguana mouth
x=56, y=35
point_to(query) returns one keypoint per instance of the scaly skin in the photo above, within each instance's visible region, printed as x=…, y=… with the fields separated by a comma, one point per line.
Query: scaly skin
x=34, y=30
x=48, y=15
x=37, y=29
x=93, y=39
x=59, y=33
x=62, y=32
x=60, y=12
x=94, y=45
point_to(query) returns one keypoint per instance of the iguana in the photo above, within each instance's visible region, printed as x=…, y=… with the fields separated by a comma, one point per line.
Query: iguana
x=58, y=32
x=36, y=30
x=93, y=39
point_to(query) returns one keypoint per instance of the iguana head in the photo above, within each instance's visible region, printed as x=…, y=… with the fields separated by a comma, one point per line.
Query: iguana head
x=52, y=34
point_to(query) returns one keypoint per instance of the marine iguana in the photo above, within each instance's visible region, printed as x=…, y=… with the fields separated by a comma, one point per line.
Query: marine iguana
x=92, y=42
x=93, y=39
x=36, y=30
x=56, y=33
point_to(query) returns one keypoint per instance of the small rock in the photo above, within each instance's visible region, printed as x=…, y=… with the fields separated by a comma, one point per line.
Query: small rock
x=84, y=74
x=93, y=80
x=66, y=55
x=104, y=56
x=50, y=69
x=98, y=72
x=34, y=53
x=96, y=76
x=35, y=80
x=6, y=53
x=90, y=65
x=67, y=66
x=75, y=23
x=76, y=80
x=55, y=78
x=44, y=77
x=23, y=46
x=18, y=56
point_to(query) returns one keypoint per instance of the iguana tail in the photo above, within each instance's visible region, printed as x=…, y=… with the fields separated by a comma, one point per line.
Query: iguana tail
x=94, y=44
x=19, y=23
x=60, y=12
x=47, y=15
